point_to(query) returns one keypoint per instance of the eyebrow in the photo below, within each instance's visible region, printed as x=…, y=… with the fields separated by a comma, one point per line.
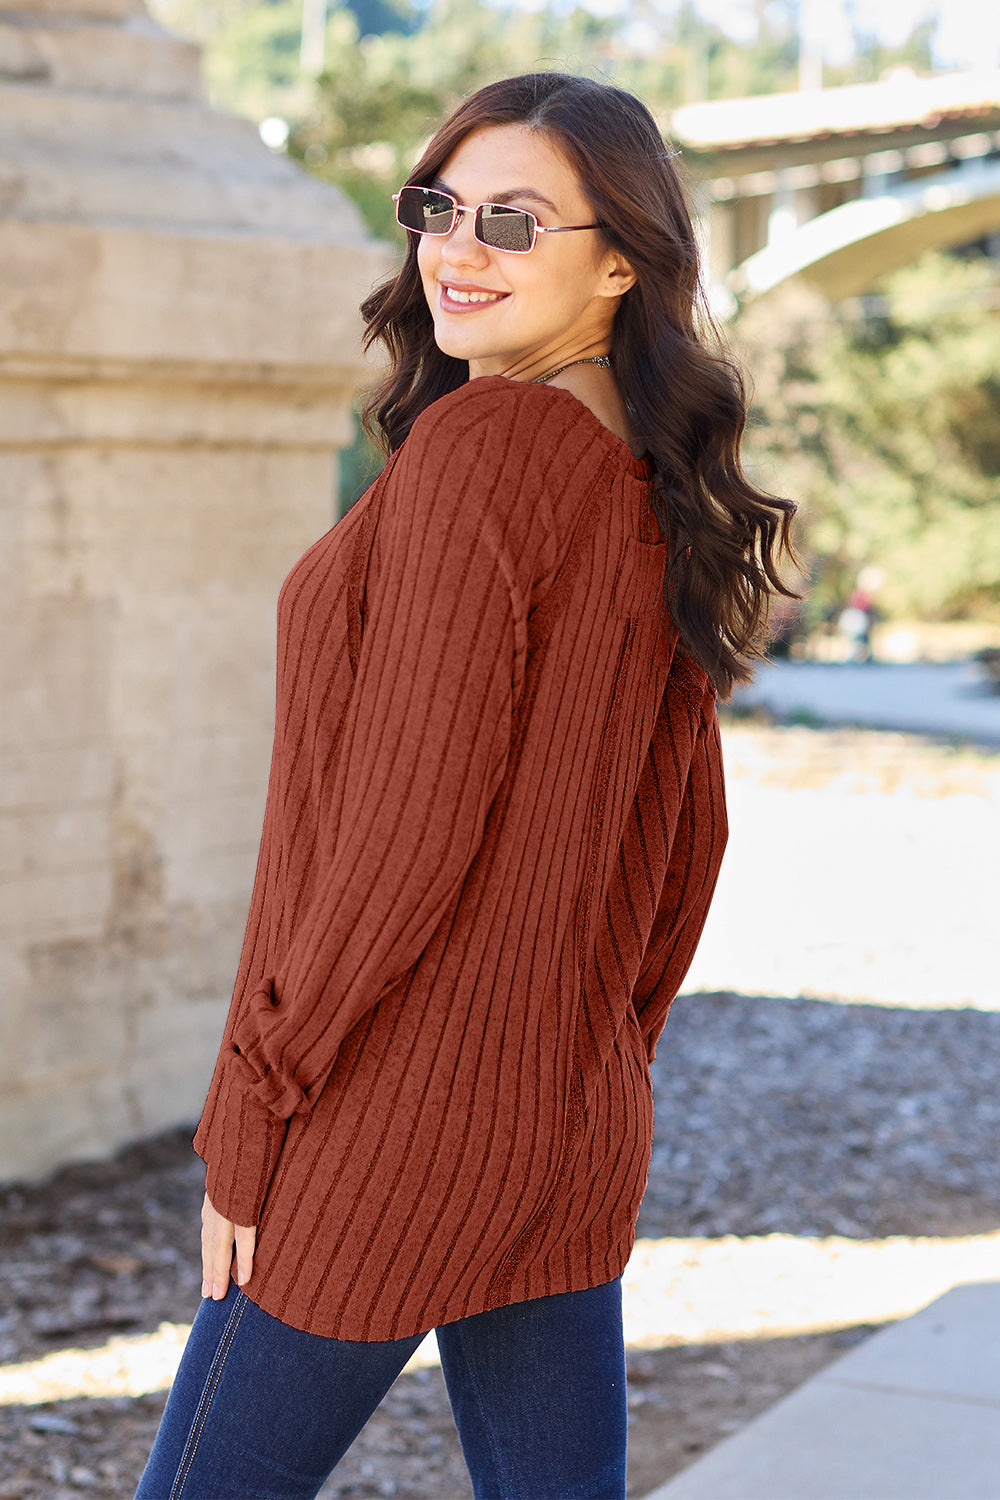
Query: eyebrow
x=508, y=197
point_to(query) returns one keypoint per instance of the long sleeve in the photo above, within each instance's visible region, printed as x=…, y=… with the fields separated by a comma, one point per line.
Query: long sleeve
x=425, y=745
x=493, y=823
x=688, y=885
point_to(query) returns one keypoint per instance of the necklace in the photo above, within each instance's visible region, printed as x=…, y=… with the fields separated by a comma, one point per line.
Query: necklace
x=604, y=360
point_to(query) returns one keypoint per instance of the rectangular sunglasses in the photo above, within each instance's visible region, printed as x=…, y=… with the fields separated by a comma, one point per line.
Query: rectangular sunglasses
x=498, y=226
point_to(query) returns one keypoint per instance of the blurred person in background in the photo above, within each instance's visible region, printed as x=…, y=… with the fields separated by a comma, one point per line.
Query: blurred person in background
x=856, y=620
x=494, y=823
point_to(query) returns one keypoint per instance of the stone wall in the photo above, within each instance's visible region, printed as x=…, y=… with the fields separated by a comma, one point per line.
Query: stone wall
x=179, y=346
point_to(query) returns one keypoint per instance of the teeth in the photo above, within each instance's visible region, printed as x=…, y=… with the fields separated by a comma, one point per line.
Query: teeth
x=454, y=295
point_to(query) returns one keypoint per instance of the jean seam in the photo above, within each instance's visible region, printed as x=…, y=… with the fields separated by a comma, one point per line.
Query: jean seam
x=473, y=1373
x=208, y=1396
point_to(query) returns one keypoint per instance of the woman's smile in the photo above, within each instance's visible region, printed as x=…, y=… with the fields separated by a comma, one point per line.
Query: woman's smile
x=559, y=297
x=460, y=297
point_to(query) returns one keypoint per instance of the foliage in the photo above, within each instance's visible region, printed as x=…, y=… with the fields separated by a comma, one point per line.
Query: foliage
x=872, y=57
x=381, y=98
x=884, y=421
x=668, y=54
x=252, y=48
x=258, y=62
x=886, y=425
x=360, y=464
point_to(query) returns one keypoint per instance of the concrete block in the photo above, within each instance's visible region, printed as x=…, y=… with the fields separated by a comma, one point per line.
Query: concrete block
x=950, y=1350
x=12, y=556
x=210, y=847
x=128, y=295
x=54, y=672
x=174, y=1057
x=53, y=842
x=102, y=10
x=179, y=348
x=838, y=1444
x=913, y=1414
x=41, y=776
x=219, y=758
x=82, y=55
x=91, y=1118
x=64, y=904
x=171, y=529
x=70, y=1029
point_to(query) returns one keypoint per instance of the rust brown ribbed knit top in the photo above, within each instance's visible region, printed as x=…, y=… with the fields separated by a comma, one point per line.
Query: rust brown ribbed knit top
x=494, y=822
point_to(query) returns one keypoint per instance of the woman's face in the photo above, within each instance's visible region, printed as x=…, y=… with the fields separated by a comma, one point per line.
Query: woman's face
x=541, y=309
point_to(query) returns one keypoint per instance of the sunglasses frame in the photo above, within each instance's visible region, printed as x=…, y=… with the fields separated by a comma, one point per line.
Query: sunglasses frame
x=464, y=208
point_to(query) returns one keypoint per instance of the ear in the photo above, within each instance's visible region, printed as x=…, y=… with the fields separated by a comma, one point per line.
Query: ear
x=618, y=275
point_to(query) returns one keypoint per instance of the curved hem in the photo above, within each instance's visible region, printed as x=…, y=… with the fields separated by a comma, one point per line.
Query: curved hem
x=598, y=1276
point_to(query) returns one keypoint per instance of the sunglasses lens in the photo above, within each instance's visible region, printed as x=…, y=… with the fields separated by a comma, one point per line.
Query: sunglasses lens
x=504, y=228
x=425, y=210
x=429, y=211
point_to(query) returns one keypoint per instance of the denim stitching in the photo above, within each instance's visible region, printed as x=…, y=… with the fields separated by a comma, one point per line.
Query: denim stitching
x=473, y=1374
x=207, y=1397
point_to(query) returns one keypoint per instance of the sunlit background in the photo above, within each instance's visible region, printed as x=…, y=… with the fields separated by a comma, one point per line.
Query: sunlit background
x=849, y=211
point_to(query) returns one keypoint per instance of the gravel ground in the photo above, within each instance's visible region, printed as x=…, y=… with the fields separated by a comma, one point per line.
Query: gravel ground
x=815, y=1118
x=805, y=1117
x=110, y=1249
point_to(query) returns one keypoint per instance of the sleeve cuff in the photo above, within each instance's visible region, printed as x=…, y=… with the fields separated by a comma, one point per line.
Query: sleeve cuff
x=240, y=1141
x=250, y=1063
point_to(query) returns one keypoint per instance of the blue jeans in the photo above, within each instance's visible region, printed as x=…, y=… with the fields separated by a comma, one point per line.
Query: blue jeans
x=261, y=1411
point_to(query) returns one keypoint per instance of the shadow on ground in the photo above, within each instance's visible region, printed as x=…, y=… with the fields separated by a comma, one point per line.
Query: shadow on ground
x=800, y=1116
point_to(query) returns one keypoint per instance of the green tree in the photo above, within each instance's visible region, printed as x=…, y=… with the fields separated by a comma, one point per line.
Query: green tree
x=253, y=65
x=381, y=97
x=873, y=57
x=884, y=421
x=668, y=54
x=251, y=48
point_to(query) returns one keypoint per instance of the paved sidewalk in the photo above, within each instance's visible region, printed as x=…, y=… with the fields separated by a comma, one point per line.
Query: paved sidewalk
x=911, y=1414
x=949, y=698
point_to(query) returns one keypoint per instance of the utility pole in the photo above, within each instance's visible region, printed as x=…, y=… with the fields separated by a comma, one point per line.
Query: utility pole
x=313, y=37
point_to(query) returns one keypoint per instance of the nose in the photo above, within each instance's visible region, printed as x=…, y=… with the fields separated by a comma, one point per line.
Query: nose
x=461, y=247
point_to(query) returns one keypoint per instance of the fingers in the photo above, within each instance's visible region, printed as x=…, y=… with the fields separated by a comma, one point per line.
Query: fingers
x=218, y=1236
x=246, y=1239
x=216, y=1251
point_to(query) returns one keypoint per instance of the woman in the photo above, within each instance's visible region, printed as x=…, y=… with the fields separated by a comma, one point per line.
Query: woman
x=494, y=823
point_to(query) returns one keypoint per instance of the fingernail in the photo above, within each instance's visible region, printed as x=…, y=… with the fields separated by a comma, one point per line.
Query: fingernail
x=206, y=1290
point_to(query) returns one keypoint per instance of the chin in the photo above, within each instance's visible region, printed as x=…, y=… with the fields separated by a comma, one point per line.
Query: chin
x=458, y=348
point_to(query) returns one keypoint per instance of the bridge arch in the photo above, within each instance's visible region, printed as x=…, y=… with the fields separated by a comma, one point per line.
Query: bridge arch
x=843, y=251
x=829, y=189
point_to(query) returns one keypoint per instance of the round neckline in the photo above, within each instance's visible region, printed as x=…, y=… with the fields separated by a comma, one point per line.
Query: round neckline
x=638, y=468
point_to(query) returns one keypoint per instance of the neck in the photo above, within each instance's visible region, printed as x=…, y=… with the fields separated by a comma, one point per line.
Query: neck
x=602, y=360
x=594, y=385
x=542, y=361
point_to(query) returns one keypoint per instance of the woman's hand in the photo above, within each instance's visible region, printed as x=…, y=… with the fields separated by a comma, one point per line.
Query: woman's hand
x=217, y=1237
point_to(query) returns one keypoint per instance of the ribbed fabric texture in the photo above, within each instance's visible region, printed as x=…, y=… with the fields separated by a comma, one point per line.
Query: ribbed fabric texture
x=494, y=823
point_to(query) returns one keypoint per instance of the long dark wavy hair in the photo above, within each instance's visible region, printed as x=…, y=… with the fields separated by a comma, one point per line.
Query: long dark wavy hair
x=685, y=396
